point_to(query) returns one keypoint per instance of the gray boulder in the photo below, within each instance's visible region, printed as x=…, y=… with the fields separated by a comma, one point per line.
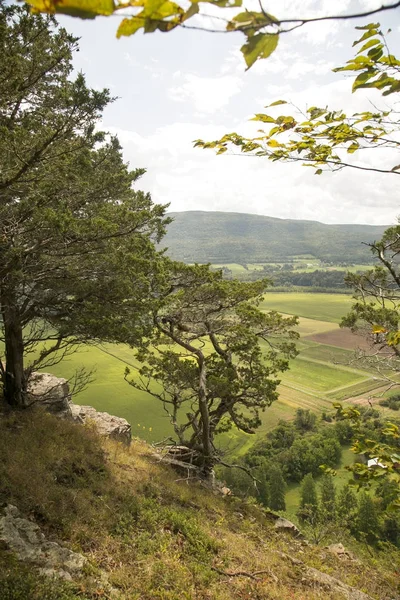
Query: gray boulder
x=50, y=392
x=107, y=425
x=53, y=394
x=25, y=539
x=332, y=584
x=285, y=525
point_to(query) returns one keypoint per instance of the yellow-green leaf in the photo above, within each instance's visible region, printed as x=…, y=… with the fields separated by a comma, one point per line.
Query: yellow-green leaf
x=259, y=46
x=85, y=9
x=130, y=26
x=276, y=103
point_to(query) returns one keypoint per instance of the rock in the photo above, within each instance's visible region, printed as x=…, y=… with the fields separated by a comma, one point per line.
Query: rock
x=335, y=585
x=49, y=392
x=340, y=551
x=107, y=425
x=53, y=394
x=25, y=539
x=284, y=525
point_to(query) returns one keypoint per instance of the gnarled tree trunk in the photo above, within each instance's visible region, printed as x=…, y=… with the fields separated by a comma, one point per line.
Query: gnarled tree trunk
x=14, y=381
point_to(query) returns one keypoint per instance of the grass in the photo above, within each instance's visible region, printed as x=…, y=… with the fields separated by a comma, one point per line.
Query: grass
x=356, y=390
x=318, y=376
x=322, y=307
x=152, y=534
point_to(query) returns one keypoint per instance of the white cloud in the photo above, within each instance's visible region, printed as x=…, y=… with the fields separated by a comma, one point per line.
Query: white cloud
x=207, y=94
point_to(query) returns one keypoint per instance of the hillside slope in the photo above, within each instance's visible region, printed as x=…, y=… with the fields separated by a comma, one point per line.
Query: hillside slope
x=222, y=237
x=153, y=536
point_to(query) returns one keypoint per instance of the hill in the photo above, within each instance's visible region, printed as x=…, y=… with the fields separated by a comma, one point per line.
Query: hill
x=145, y=532
x=222, y=237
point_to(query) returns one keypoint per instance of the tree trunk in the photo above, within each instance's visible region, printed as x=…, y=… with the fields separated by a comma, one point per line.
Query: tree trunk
x=14, y=381
x=208, y=450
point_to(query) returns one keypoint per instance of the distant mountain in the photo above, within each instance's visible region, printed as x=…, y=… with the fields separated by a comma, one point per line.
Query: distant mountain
x=222, y=237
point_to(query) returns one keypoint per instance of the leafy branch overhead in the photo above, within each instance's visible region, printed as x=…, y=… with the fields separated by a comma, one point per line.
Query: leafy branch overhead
x=261, y=29
x=324, y=138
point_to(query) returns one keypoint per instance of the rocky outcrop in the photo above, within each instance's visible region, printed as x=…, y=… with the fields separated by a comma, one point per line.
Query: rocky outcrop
x=53, y=394
x=340, y=551
x=332, y=584
x=50, y=392
x=285, y=525
x=107, y=425
x=25, y=539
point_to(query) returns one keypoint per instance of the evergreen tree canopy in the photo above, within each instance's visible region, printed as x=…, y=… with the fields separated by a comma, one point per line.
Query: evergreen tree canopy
x=76, y=240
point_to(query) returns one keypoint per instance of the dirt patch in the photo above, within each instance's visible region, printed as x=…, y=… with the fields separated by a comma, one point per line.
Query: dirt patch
x=342, y=338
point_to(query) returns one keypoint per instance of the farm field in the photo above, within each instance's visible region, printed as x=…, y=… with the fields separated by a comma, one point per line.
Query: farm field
x=320, y=375
x=322, y=307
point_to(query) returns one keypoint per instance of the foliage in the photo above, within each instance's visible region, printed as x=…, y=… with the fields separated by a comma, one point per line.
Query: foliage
x=206, y=355
x=328, y=498
x=347, y=506
x=260, y=28
x=296, y=453
x=382, y=447
x=76, y=241
x=375, y=311
x=309, y=504
x=323, y=138
x=367, y=523
x=276, y=489
x=305, y=420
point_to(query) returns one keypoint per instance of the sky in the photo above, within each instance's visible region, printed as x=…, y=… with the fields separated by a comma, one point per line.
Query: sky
x=174, y=88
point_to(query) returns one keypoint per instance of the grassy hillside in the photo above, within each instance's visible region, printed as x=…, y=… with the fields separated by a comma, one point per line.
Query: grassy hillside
x=153, y=535
x=219, y=237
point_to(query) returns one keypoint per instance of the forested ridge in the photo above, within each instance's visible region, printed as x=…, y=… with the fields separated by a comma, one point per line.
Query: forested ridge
x=222, y=237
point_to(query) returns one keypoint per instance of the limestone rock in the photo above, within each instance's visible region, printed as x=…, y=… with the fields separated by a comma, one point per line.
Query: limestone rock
x=285, y=525
x=25, y=539
x=49, y=392
x=108, y=425
x=335, y=585
x=340, y=551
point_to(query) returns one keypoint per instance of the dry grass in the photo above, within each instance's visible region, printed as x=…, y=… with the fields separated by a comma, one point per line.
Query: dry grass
x=156, y=538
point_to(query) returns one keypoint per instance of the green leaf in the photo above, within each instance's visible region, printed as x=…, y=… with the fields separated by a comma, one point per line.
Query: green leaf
x=318, y=172
x=192, y=10
x=259, y=46
x=276, y=103
x=353, y=147
x=85, y=9
x=263, y=118
x=130, y=26
x=370, y=43
x=376, y=53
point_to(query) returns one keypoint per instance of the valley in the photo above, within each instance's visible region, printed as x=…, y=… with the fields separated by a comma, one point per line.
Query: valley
x=320, y=375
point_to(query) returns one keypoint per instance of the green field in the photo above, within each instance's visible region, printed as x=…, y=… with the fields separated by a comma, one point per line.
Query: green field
x=314, y=381
x=322, y=307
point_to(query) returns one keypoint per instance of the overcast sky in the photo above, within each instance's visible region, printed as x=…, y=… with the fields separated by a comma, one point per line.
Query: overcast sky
x=174, y=88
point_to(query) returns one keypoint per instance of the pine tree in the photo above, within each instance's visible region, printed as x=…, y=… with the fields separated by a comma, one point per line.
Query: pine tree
x=276, y=489
x=328, y=498
x=309, y=508
x=367, y=522
x=347, y=506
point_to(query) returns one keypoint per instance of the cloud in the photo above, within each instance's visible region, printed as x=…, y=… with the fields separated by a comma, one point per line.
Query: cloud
x=193, y=179
x=207, y=94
